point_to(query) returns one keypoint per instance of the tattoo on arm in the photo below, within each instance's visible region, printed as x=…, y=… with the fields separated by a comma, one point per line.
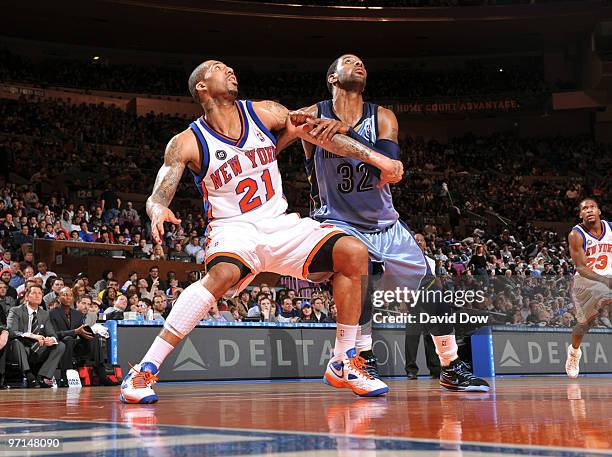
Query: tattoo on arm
x=168, y=177
x=278, y=112
x=348, y=147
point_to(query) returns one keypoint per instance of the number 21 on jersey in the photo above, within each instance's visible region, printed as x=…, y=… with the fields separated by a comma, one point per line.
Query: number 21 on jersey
x=249, y=187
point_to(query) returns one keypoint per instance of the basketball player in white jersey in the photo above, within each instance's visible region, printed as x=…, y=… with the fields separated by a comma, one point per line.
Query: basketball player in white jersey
x=591, y=250
x=231, y=152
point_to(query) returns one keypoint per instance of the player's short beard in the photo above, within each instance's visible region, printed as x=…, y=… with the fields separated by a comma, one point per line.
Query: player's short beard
x=353, y=85
x=233, y=93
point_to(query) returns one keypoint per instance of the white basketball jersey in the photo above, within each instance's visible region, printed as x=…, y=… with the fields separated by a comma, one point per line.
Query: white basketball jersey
x=239, y=179
x=598, y=250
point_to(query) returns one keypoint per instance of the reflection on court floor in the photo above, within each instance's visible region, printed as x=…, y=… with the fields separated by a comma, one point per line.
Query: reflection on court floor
x=533, y=416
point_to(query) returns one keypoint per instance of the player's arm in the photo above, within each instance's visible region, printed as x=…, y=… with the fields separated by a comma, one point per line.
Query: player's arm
x=579, y=259
x=181, y=150
x=274, y=116
x=345, y=146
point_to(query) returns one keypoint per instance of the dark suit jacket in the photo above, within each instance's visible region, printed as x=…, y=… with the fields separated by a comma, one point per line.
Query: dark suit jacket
x=18, y=320
x=4, y=310
x=60, y=322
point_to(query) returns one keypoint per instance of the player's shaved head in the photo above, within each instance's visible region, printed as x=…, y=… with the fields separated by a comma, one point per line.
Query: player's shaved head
x=198, y=75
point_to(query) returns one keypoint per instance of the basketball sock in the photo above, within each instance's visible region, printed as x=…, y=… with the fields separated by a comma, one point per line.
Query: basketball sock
x=363, y=341
x=189, y=309
x=345, y=338
x=158, y=352
x=446, y=348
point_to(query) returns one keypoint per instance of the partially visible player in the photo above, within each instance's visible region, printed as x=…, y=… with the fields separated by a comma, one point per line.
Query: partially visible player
x=590, y=244
x=231, y=152
x=349, y=193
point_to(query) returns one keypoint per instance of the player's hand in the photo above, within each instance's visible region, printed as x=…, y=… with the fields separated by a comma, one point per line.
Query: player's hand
x=297, y=124
x=325, y=129
x=160, y=215
x=391, y=172
x=299, y=118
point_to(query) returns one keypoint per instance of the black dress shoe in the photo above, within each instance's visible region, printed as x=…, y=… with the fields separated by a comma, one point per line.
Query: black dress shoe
x=45, y=383
x=31, y=381
x=62, y=383
x=411, y=376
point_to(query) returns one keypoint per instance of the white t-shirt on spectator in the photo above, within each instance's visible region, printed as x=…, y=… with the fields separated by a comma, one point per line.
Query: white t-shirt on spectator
x=45, y=277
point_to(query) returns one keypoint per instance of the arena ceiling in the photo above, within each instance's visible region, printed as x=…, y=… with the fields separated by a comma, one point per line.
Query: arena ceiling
x=224, y=27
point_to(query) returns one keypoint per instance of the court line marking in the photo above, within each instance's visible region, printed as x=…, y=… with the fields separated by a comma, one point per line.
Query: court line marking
x=254, y=431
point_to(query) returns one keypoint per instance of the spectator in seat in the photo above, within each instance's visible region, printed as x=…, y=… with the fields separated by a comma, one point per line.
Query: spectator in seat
x=254, y=293
x=43, y=272
x=178, y=254
x=16, y=275
x=154, y=278
x=83, y=305
x=318, y=309
x=306, y=315
x=34, y=340
x=109, y=296
x=70, y=328
x=100, y=285
x=195, y=250
x=143, y=288
x=28, y=274
x=5, y=278
x=158, y=253
x=160, y=308
x=85, y=234
x=242, y=303
x=112, y=283
x=263, y=310
x=56, y=285
x=288, y=313
x=333, y=314
x=129, y=216
x=132, y=280
x=22, y=237
x=115, y=312
x=5, y=261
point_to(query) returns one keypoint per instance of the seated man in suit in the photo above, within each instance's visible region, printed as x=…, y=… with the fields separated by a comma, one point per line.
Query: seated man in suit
x=33, y=339
x=72, y=331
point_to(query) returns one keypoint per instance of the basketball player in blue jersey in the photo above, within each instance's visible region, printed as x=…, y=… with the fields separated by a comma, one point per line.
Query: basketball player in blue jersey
x=231, y=152
x=590, y=244
x=348, y=193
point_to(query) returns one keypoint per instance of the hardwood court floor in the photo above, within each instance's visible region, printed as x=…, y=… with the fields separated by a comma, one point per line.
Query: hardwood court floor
x=535, y=415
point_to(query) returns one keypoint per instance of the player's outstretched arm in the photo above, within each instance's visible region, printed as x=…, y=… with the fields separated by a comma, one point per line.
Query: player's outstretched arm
x=179, y=153
x=579, y=259
x=274, y=116
x=344, y=146
x=338, y=137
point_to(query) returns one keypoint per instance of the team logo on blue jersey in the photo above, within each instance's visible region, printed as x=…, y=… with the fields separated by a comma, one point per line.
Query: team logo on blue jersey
x=368, y=130
x=260, y=136
x=221, y=154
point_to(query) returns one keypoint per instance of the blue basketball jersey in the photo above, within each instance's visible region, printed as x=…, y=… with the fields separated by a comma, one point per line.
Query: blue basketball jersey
x=343, y=189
